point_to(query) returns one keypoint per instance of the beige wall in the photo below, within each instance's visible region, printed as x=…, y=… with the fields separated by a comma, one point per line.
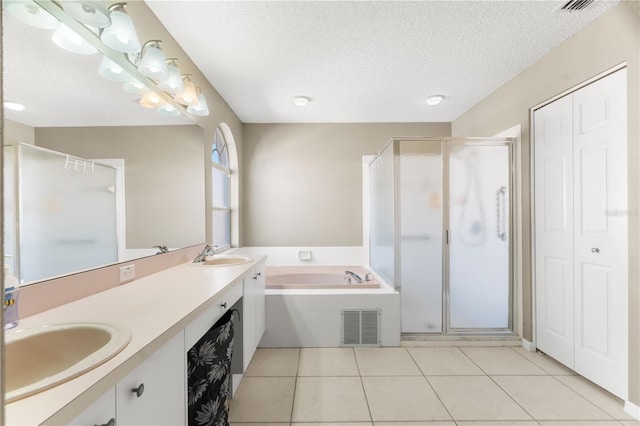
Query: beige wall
x=303, y=182
x=608, y=41
x=15, y=132
x=164, y=177
x=149, y=28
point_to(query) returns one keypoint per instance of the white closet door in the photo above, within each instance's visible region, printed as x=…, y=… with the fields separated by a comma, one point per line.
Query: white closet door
x=600, y=232
x=554, y=230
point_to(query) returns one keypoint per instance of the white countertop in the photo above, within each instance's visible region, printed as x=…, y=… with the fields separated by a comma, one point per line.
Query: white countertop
x=154, y=308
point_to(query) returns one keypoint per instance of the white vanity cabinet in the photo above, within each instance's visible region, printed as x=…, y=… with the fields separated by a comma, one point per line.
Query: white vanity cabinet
x=154, y=392
x=254, y=312
x=160, y=383
x=163, y=373
x=102, y=412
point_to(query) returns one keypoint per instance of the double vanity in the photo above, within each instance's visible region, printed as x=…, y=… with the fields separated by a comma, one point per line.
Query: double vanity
x=119, y=356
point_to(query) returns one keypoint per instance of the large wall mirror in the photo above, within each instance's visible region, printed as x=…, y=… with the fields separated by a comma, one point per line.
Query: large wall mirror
x=91, y=176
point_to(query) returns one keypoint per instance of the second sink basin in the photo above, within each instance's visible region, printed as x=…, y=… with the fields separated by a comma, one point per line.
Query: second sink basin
x=39, y=358
x=222, y=260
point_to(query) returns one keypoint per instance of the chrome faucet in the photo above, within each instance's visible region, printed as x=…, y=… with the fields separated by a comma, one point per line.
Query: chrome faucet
x=162, y=248
x=354, y=276
x=208, y=250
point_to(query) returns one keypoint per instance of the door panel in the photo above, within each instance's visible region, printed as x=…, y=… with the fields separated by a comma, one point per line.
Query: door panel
x=595, y=313
x=601, y=237
x=421, y=193
x=479, y=239
x=553, y=205
x=557, y=271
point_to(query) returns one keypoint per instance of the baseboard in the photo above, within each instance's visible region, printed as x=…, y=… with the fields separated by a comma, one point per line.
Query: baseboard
x=632, y=409
x=528, y=346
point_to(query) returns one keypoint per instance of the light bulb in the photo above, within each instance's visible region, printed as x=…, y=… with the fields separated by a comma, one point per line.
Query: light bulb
x=188, y=96
x=111, y=71
x=121, y=34
x=200, y=108
x=173, y=83
x=153, y=63
x=31, y=13
x=68, y=39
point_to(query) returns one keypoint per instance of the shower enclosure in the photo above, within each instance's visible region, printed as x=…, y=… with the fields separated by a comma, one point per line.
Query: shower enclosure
x=59, y=213
x=440, y=231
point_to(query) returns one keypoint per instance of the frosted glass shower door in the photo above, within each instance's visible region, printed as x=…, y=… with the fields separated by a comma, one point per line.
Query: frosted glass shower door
x=420, y=182
x=67, y=214
x=479, y=237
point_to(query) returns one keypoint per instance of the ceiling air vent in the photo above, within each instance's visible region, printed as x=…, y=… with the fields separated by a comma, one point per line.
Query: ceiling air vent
x=575, y=5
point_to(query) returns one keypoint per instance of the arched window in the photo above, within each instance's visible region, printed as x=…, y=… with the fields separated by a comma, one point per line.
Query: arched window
x=220, y=183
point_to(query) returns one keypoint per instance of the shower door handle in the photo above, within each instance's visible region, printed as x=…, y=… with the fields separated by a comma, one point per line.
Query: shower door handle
x=501, y=214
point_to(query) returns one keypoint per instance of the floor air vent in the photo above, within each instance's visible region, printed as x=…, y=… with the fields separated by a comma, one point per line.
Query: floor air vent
x=361, y=327
x=574, y=5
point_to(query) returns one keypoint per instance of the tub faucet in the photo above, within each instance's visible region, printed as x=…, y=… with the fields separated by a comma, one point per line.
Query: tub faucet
x=208, y=250
x=354, y=276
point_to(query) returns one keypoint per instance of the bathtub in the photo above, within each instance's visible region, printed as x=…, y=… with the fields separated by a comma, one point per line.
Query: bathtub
x=318, y=277
x=304, y=305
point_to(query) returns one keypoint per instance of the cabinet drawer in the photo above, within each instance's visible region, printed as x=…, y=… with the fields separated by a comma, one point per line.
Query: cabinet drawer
x=199, y=326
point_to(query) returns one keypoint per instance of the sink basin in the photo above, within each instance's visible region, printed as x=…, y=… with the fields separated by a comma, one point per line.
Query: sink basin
x=223, y=260
x=39, y=358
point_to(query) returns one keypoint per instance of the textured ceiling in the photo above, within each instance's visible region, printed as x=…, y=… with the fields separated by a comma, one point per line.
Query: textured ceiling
x=364, y=61
x=358, y=61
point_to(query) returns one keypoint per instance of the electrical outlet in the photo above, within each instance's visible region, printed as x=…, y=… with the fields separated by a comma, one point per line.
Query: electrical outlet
x=127, y=273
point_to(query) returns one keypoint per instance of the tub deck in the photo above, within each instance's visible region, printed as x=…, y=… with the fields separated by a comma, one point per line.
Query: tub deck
x=316, y=277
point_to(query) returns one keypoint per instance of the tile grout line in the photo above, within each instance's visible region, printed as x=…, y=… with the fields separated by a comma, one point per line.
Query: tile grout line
x=431, y=387
x=364, y=391
x=500, y=387
x=557, y=378
x=583, y=397
x=295, y=386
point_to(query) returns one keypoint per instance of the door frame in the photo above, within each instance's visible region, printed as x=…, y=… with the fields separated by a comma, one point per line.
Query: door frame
x=511, y=329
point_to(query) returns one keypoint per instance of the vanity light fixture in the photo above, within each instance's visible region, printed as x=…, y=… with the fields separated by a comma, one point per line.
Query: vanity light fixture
x=151, y=100
x=153, y=62
x=188, y=95
x=168, y=109
x=301, y=101
x=200, y=108
x=434, y=99
x=121, y=34
x=31, y=13
x=111, y=71
x=68, y=39
x=13, y=106
x=89, y=12
x=173, y=83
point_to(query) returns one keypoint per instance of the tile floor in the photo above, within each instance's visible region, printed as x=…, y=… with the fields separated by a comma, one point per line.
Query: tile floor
x=430, y=386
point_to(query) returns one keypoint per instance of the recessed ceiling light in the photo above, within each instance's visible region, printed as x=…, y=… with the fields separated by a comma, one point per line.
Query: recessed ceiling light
x=301, y=101
x=434, y=100
x=13, y=106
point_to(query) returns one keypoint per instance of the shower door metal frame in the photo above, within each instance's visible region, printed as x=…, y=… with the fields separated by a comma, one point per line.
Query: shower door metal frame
x=446, y=313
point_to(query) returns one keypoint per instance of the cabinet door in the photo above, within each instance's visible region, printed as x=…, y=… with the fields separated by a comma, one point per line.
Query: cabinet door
x=163, y=400
x=249, y=320
x=101, y=412
x=260, y=303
